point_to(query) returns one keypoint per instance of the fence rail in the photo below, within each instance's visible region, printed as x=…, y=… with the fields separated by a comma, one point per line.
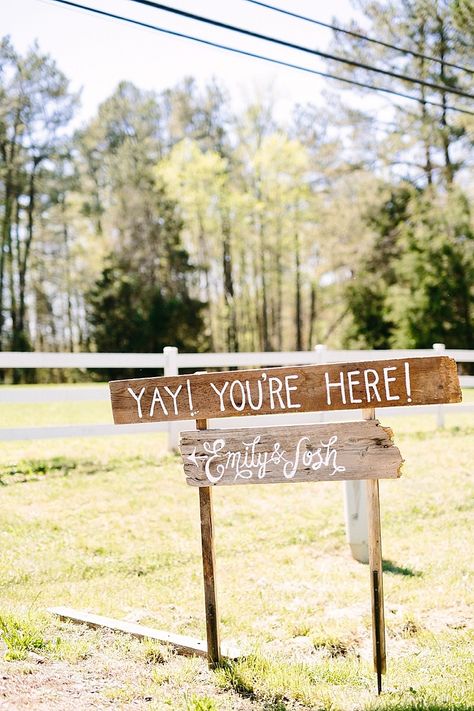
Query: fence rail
x=20, y=359
x=170, y=362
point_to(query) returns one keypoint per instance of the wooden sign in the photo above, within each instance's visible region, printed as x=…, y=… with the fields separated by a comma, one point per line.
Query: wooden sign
x=295, y=453
x=311, y=388
x=322, y=452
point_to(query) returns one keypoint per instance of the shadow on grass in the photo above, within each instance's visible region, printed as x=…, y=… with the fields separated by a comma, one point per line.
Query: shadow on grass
x=390, y=567
x=30, y=470
x=231, y=675
x=36, y=469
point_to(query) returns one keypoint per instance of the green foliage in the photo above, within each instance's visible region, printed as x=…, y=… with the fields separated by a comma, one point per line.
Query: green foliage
x=36, y=106
x=128, y=315
x=433, y=299
x=416, y=287
x=166, y=220
x=32, y=469
x=200, y=703
x=463, y=16
x=370, y=326
x=20, y=637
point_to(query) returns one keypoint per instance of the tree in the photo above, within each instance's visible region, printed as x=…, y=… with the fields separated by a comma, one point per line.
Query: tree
x=130, y=313
x=36, y=106
x=426, y=142
x=415, y=288
x=432, y=299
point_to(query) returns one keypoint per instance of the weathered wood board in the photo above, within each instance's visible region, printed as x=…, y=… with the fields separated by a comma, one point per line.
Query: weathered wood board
x=311, y=388
x=182, y=643
x=295, y=453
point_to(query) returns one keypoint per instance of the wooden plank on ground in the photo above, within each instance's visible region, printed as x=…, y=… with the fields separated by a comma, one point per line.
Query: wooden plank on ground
x=336, y=386
x=293, y=453
x=183, y=644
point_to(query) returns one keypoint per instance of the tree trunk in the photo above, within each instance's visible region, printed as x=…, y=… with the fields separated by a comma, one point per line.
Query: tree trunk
x=231, y=326
x=23, y=259
x=207, y=284
x=445, y=131
x=298, y=314
x=263, y=282
x=425, y=118
x=279, y=298
x=8, y=157
x=312, y=316
x=67, y=256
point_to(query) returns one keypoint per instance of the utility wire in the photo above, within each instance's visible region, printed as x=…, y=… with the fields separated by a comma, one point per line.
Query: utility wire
x=359, y=35
x=301, y=48
x=218, y=45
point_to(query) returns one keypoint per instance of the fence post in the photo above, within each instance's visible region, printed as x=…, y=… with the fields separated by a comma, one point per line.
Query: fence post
x=355, y=498
x=171, y=368
x=439, y=348
x=355, y=514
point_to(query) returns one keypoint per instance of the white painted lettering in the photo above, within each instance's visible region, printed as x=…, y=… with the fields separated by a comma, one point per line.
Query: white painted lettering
x=407, y=381
x=275, y=390
x=137, y=398
x=371, y=384
x=190, y=397
x=389, y=380
x=157, y=398
x=290, y=405
x=174, y=396
x=213, y=450
x=339, y=385
x=239, y=406
x=260, y=395
x=351, y=382
x=221, y=394
x=250, y=463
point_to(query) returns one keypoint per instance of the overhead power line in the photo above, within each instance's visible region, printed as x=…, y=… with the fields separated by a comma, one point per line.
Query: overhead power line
x=301, y=48
x=254, y=55
x=359, y=35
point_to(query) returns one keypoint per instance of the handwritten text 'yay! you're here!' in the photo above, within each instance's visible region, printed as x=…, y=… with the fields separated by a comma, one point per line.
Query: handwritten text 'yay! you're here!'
x=411, y=381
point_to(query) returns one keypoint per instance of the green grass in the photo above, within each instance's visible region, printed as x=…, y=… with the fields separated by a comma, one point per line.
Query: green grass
x=109, y=525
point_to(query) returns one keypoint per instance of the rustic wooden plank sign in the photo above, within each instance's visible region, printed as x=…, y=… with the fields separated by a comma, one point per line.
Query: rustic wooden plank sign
x=322, y=452
x=311, y=388
x=295, y=453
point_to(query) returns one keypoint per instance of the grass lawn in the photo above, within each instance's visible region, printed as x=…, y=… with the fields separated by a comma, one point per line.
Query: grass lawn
x=110, y=526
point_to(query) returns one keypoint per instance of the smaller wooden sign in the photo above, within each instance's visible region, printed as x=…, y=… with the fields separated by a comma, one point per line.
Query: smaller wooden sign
x=266, y=455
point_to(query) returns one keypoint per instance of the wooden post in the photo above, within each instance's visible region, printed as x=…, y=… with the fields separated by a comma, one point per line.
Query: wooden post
x=208, y=566
x=376, y=571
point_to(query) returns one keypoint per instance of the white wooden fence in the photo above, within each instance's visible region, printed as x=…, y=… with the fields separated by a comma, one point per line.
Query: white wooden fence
x=171, y=361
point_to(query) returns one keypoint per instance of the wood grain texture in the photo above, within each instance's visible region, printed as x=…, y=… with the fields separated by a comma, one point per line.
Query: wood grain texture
x=182, y=643
x=376, y=571
x=338, y=386
x=295, y=453
x=208, y=568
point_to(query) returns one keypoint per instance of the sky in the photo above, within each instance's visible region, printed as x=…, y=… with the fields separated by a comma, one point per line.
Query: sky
x=96, y=53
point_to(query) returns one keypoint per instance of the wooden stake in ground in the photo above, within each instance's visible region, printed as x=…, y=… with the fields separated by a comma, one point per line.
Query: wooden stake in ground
x=376, y=572
x=208, y=566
